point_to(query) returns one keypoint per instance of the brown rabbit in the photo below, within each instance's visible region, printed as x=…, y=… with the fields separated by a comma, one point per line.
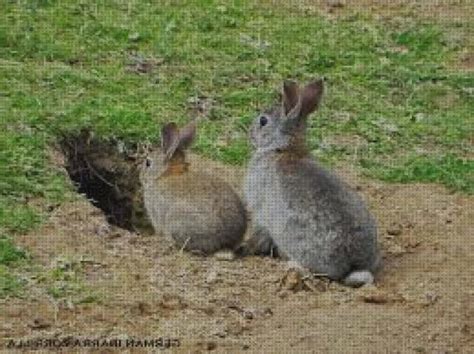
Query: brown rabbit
x=199, y=211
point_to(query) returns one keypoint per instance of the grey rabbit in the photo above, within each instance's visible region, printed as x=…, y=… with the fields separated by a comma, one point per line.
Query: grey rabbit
x=311, y=216
x=199, y=211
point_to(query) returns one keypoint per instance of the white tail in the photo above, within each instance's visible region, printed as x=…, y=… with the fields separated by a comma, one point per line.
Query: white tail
x=359, y=278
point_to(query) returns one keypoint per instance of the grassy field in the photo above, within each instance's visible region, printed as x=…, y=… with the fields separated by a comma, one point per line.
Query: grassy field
x=398, y=105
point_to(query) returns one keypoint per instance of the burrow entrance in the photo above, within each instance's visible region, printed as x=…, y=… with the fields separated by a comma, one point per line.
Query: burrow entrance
x=107, y=172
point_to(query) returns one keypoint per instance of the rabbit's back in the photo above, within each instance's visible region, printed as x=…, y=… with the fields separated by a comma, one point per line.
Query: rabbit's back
x=199, y=211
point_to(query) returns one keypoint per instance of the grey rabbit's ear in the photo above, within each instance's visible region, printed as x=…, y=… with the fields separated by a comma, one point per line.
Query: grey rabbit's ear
x=290, y=96
x=311, y=97
x=186, y=135
x=169, y=139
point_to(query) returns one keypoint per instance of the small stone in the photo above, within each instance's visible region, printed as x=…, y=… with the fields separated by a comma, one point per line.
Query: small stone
x=371, y=294
x=292, y=281
x=255, y=43
x=375, y=298
x=419, y=117
x=211, y=277
x=221, y=334
x=67, y=304
x=395, y=249
x=172, y=302
x=335, y=3
x=208, y=310
x=235, y=328
x=430, y=298
x=386, y=126
x=468, y=90
x=142, y=308
x=5, y=327
x=395, y=230
x=39, y=323
x=267, y=311
x=342, y=117
x=209, y=345
x=413, y=243
x=134, y=37
x=114, y=235
x=248, y=314
x=102, y=230
x=410, y=225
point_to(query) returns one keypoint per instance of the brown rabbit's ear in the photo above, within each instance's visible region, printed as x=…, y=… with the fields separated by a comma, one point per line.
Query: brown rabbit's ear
x=187, y=134
x=290, y=96
x=169, y=139
x=311, y=97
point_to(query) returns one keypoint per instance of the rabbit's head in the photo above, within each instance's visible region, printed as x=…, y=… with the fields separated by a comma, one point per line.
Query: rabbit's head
x=171, y=157
x=282, y=127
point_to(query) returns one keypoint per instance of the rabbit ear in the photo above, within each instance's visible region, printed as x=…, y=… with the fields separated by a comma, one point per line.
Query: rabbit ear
x=311, y=97
x=290, y=96
x=187, y=134
x=169, y=139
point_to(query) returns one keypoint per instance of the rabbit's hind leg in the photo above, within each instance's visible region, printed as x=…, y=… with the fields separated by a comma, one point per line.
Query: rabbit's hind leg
x=259, y=243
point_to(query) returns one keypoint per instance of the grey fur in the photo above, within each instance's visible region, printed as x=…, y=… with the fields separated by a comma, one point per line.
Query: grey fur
x=260, y=244
x=313, y=217
x=199, y=211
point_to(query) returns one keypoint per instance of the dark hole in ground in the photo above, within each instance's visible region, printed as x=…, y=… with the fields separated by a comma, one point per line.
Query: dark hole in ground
x=107, y=172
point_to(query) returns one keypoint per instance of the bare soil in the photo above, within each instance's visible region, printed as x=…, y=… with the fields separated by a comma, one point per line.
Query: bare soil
x=423, y=300
x=445, y=10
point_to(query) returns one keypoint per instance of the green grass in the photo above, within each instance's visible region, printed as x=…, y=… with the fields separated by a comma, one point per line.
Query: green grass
x=10, y=256
x=63, y=66
x=449, y=170
x=66, y=281
x=10, y=284
x=9, y=253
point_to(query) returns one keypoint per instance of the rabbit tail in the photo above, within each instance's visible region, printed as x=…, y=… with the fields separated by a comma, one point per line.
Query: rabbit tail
x=358, y=278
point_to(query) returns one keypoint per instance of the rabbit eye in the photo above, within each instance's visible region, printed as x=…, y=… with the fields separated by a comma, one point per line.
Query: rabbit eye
x=148, y=162
x=263, y=121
